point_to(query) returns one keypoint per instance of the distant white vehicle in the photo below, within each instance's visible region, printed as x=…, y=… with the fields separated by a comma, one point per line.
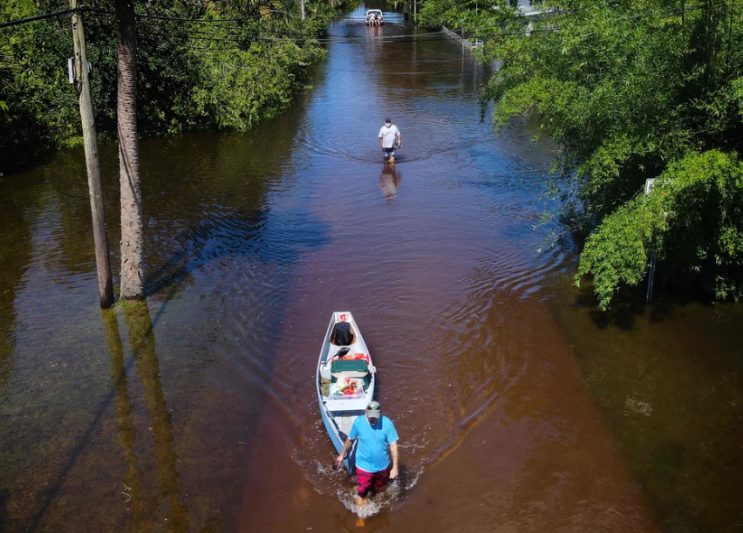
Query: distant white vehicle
x=374, y=17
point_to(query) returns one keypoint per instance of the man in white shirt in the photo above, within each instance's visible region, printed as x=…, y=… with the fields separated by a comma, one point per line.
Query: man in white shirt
x=389, y=140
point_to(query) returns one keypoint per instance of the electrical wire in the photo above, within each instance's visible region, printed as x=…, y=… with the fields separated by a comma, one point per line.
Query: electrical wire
x=523, y=20
x=86, y=9
x=328, y=40
x=18, y=22
x=175, y=19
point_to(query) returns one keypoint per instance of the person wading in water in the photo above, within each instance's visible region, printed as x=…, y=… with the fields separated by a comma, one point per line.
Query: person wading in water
x=390, y=140
x=377, y=442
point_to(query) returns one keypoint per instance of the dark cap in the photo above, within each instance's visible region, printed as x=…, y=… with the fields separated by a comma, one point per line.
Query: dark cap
x=388, y=120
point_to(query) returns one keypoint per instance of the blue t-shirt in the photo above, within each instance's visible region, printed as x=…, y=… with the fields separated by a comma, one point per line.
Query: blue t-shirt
x=371, y=451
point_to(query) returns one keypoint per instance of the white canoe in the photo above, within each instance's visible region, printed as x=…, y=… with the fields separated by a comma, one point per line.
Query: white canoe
x=339, y=410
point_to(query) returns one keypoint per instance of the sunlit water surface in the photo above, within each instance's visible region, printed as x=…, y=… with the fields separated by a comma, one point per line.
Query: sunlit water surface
x=519, y=408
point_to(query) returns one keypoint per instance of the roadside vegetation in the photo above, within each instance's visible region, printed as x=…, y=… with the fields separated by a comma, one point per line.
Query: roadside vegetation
x=191, y=75
x=631, y=90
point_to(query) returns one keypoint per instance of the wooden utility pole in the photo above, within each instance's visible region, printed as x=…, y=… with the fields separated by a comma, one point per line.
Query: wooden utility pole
x=90, y=142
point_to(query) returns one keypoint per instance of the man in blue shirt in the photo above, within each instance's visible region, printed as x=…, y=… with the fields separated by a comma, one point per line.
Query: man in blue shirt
x=377, y=443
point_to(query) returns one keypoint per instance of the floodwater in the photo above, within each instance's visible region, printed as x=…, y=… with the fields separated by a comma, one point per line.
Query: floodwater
x=519, y=406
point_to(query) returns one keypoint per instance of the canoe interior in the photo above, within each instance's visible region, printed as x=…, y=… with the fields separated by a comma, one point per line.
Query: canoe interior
x=338, y=412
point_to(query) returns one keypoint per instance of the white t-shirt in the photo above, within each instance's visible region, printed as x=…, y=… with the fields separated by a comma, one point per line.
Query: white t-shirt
x=388, y=135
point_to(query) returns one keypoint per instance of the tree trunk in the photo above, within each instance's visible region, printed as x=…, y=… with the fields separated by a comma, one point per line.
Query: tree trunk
x=132, y=224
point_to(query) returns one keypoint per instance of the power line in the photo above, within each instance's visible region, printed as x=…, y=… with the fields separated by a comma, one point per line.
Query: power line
x=389, y=39
x=567, y=14
x=238, y=33
x=84, y=9
x=293, y=36
x=38, y=17
x=257, y=17
x=177, y=19
x=406, y=38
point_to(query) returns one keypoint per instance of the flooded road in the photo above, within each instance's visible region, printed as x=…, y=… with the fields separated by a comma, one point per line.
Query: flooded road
x=519, y=407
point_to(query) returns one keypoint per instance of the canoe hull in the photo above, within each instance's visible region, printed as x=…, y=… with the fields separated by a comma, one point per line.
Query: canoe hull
x=338, y=414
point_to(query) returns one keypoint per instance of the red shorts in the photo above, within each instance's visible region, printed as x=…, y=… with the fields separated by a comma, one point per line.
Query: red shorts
x=367, y=480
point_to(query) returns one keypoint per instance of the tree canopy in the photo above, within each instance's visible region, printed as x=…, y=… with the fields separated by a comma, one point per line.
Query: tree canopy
x=191, y=75
x=631, y=90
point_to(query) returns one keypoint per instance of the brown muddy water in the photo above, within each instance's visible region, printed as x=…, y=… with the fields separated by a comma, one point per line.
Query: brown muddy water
x=520, y=408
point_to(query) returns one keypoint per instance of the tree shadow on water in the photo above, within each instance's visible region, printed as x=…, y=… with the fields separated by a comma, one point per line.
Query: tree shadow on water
x=628, y=306
x=234, y=237
x=142, y=344
x=4, y=500
x=202, y=242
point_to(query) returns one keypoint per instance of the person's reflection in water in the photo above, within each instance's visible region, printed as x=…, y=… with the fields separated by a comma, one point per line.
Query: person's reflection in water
x=390, y=181
x=142, y=343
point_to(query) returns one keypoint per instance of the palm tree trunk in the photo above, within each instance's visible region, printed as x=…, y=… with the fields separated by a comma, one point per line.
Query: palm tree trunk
x=132, y=224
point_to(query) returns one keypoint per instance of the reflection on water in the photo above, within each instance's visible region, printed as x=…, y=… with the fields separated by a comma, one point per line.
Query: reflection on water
x=390, y=181
x=668, y=379
x=196, y=411
x=132, y=481
x=15, y=249
x=142, y=343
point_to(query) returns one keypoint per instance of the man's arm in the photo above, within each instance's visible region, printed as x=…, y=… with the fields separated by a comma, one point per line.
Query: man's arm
x=346, y=446
x=380, y=142
x=393, y=452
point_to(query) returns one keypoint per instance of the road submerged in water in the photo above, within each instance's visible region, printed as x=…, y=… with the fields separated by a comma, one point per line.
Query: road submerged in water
x=520, y=407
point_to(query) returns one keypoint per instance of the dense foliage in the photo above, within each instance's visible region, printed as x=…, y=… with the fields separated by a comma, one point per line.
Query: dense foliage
x=693, y=218
x=192, y=75
x=466, y=14
x=632, y=90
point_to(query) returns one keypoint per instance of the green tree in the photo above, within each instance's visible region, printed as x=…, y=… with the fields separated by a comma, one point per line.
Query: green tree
x=38, y=112
x=693, y=218
x=631, y=90
x=190, y=75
